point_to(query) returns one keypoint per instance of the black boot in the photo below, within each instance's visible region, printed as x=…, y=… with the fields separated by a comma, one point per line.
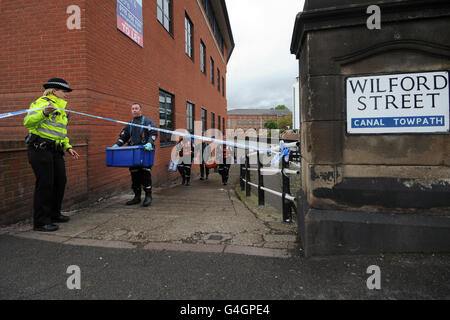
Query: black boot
x=188, y=182
x=136, y=199
x=148, y=199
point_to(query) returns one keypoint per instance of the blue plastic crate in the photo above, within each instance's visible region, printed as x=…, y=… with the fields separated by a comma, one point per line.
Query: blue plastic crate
x=129, y=157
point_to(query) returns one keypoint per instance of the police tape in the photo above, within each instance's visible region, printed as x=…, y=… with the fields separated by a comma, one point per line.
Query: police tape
x=15, y=113
x=188, y=135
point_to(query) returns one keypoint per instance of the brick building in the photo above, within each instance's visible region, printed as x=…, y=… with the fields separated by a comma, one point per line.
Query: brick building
x=174, y=63
x=253, y=118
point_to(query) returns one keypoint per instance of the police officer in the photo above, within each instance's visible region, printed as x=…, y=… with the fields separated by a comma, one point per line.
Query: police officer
x=135, y=136
x=47, y=142
x=185, y=150
x=224, y=166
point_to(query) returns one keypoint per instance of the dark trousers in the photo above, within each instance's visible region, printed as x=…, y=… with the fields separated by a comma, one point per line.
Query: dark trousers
x=224, y=170
x=202, y=170
x=50, y=171
x=141, y=177
x=185, y=171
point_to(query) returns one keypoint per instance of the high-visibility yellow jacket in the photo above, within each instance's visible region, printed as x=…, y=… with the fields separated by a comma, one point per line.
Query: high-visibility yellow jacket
x=53, y=126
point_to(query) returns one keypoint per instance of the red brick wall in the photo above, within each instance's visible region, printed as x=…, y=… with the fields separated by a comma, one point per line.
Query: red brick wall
x=260, y=119
x=17, y=181
x=108, y=72
x=36, y=45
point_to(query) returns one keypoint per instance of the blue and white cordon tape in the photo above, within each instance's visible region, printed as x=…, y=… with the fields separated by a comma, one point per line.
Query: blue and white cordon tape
x=284, y=150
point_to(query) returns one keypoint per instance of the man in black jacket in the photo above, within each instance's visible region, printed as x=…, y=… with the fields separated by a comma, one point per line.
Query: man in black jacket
x=140, y=176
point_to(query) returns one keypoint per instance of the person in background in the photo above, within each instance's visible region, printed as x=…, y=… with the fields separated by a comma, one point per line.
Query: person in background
x=204, y=171
x=47, y=142
x=224, y=166
x=136, y=136
x=185, y=148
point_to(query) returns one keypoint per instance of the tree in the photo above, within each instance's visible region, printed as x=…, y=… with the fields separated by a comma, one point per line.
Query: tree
x=285, y=123
x=270, y=124
x=280, y=107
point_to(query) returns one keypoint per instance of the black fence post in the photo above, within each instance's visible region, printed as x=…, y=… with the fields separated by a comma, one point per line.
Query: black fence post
x=242, y=177
x=247, y=167
x=234, y=149
x=287, y=214
x=241, y=166
x=260, y=179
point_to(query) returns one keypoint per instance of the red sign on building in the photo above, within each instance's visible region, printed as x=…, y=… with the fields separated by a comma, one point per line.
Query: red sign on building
x=129, y=19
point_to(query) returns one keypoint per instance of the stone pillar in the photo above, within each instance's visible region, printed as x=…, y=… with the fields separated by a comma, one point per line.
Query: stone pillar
x=377, y=190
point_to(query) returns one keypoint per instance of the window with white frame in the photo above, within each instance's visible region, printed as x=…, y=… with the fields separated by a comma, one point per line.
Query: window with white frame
x=164, y=13
x=166, y=111
x=190, y=117
x=189, y=36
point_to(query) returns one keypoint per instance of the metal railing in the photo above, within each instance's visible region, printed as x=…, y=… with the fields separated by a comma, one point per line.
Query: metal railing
x=288, y=201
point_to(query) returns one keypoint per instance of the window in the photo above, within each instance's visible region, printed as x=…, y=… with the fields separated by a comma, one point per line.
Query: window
x=204, y=124
x=213, y=120
x=190, y=117
x=166, y=116
x=223, y=124
x=213, y=22
x=202, y=57
x=218, y=122
x=218, y=79
x=223, y=87
x=211, y=62
x=205, y=4
x=189, y=36
x=164, y=13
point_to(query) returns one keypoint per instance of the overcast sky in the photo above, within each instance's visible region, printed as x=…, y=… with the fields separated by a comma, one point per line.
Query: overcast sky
x=261, y=70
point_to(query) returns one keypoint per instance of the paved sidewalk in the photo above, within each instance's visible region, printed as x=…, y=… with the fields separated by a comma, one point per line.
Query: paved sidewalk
x=198, y=242
x=205, y=217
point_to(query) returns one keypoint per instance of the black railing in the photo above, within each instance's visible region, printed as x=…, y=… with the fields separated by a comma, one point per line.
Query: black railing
x=288, y=201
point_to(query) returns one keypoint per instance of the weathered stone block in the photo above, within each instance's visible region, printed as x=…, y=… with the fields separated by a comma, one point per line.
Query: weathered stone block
x=324, y=99
x=426, y=150
x=337, y=232
x=401, y=172
x=358, y=50
x=323, y=141
x=321, y=177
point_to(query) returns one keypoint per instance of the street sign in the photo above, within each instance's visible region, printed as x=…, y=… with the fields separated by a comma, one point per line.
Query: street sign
x=398, y=103
x=129, y=19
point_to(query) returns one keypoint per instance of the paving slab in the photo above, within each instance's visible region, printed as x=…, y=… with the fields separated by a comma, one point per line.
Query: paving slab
x=185, y=247
x=254, y=251
x=43, y=236
x=100, y=243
